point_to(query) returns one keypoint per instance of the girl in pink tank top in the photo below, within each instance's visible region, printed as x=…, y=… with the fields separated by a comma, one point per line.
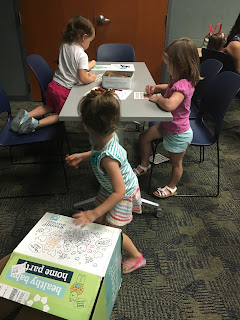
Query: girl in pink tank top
x=182, y=61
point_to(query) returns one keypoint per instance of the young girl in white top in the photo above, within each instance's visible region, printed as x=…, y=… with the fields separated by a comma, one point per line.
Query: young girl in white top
x=73, y=69
x=119, y=193
x=182, y=61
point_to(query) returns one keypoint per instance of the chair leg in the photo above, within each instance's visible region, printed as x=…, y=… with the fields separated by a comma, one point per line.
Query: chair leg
x=68, y=145
x=62, y=159
x=11, y=154
x=218, y=162
x=218, y=178
x=154, y=149
x=203, y=153
x=201, y=158
x=60, y=144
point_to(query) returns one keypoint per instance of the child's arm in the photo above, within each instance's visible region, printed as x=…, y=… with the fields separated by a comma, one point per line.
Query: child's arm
x=111, y=167
x=85, y=76
x=233, y=49
x=91, y=64
x=168, y=104
x=159, y=88
x=74, y=159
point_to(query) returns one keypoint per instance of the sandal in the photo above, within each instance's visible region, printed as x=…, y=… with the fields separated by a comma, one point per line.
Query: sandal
x=144, y=170
x=161, y=192
x=141, y=262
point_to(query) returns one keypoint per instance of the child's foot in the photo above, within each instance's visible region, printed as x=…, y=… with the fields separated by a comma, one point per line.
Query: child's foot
x=140, y=170
x=28, y=126
x=131, y=264
x=165, y=192
x=20, y=118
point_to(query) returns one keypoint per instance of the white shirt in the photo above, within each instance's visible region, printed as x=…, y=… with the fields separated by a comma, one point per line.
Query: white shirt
x=71, y=58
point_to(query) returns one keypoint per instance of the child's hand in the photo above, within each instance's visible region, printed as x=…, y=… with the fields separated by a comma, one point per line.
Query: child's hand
x=153, y=98
x=93, y=63
x=74, y=159
x=92, y=76
x=83, y=218
x=150, y=90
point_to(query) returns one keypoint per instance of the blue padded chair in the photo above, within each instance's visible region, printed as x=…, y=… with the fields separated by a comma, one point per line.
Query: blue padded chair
x=55, y=133
x=116, y=52
x=214, y=103
x=217, y=96
x=208, y=70
x=226, y=60
x=42, y=71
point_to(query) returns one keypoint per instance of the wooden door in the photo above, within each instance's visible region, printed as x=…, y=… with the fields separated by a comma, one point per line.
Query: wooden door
x=139, y=23
x=135, y=22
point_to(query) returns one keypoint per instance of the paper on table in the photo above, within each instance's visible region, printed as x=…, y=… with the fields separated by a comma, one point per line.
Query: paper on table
x=114, y=67
x=125, y=66
x=140, y=95
x=101, y=67
x=122, y=94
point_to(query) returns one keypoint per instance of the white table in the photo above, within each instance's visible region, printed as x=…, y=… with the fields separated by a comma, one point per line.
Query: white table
x=131, y=109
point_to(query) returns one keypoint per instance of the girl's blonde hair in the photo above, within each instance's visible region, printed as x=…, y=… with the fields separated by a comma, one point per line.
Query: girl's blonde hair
x=76, y=28
x=100, y=112
x=183, y=57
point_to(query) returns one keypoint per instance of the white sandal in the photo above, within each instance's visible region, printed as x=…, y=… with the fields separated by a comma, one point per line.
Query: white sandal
x=144, y=170
x=161, y=192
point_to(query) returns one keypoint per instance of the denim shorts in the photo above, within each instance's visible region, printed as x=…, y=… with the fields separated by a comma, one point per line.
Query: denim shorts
x=177, y=142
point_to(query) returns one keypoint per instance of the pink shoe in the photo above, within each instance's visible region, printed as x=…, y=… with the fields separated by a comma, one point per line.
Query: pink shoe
x=141, y=262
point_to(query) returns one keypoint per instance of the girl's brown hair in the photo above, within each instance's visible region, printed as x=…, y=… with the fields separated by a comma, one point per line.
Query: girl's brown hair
x=217, y=41
x=76, y=28
x=100, y=112
x=184, y=60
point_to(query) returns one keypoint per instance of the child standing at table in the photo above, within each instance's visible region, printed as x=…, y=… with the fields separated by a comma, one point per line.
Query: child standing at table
x=73, y=69
x=182, y=61
x=119, y=193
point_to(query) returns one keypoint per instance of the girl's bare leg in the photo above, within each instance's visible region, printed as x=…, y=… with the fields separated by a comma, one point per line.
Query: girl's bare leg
x=132, y=251
x=176, y=160
x=41, y=111
x=128, y=246
x=47, y=121
x=145, y=140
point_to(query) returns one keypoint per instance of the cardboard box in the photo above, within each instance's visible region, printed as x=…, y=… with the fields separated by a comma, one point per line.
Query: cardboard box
x=117, y=79
x=64, y=270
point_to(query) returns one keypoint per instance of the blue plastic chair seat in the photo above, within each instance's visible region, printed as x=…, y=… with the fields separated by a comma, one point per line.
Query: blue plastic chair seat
x=202, y=136
x=49, y=133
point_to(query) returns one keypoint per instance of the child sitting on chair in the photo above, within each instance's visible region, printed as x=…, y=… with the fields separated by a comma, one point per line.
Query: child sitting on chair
x=72, y=69
x=119, y=193
x=182, y=61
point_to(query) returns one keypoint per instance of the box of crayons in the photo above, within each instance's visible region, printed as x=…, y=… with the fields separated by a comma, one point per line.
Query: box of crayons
x=117, y=79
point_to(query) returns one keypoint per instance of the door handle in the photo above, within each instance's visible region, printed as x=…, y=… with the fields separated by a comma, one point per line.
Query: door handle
x=101, y=19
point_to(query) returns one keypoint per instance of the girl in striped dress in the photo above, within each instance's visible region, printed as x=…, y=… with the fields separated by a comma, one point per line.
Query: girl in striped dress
x=119, y=194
